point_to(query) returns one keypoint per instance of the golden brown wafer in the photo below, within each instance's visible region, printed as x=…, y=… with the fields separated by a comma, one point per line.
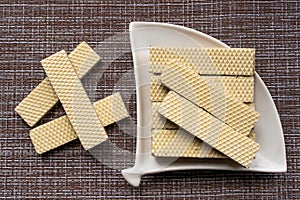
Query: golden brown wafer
x=209, y=129
x=60, y=131
x=74, y=99
x=213, y=61
x=38, y=102
x=186, y=82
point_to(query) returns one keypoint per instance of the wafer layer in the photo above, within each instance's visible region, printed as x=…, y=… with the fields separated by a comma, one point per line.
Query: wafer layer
x=159, y=121
x=240, y=88
x=74, y=99
x=180, y=143
x=209, y=129
x=38, y=102
x=213, y=61
x=60, y=131
x=193, y=87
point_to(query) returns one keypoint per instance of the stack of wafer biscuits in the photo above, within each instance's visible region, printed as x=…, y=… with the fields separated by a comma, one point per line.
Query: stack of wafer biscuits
x=83, y=119
x=203, y=103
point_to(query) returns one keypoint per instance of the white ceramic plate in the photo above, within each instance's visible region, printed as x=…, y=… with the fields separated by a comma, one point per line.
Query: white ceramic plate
x=270, y=158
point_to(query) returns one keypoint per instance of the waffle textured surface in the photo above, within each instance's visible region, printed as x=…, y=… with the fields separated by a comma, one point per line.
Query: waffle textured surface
x=60, y=131
x=180, y=143
x=208, y=128
x=157, y=90
x=208, y=61
x=159, y=121
x=74, y=99
x=34, y=29
x=38, y=102
x=240, y=88
x=190, y=85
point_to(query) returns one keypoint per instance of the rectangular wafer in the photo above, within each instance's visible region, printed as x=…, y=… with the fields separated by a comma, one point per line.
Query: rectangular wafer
x=212, y=61
x=41, y=99
x=180, y=143
x=74, y=99
x=186, y=82
x=60, y=131
x=240, y=88
x=209, y=129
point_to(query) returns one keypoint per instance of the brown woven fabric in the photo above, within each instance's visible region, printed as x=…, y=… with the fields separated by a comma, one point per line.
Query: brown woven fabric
x=32, y=30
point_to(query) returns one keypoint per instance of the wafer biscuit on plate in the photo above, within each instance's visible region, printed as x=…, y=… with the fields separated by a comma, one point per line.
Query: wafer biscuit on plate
x=74, y=99
x=38, y=102
x=212, y=61
x=60, y=131
x=180, y=143
x=240, y=88
x=209, y=129
x=186, y=82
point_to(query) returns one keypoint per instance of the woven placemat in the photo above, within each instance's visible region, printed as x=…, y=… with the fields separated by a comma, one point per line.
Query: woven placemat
x=33, y=30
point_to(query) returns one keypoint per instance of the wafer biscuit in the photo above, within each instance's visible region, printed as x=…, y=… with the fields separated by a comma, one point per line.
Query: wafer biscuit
x=159, y=121
x=213, y=61
x=209, y=129
x=180, y=143
x=240, y=88
x=74, y=99
x=60, y=131
x=38, y=102
x=190, y=85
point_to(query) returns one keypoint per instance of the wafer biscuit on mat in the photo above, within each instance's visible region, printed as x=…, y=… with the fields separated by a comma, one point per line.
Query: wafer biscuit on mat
x=186, y=82
x=74, y=99
x=60, y=131
x=240, y=88
x=180, y=143
x=208, y=128
x=157, y=90
x=159, y=121
x=38, y=102
x=213, y=61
